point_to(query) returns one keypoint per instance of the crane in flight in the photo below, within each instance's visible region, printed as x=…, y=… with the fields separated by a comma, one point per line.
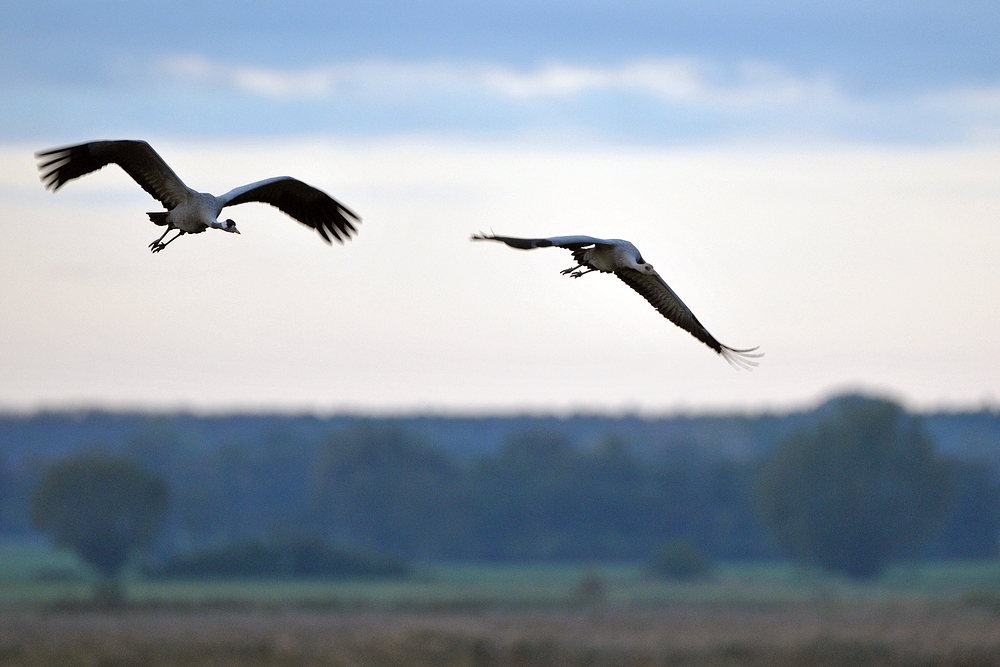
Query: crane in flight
x=624, y=260
x=188, y=211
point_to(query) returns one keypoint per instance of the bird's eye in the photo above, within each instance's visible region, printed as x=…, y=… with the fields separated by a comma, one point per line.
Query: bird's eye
x=639, y=261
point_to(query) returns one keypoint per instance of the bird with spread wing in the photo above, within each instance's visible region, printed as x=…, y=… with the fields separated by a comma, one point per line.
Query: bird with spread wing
x=189, y=211
x=624, y=260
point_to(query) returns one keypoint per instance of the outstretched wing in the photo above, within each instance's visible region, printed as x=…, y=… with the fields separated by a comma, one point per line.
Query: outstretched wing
x=568, y=242
x=310, y=206
x=658, y=293
x=137, y=158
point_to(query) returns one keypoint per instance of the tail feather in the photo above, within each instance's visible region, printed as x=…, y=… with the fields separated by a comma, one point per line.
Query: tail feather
x=158, y=218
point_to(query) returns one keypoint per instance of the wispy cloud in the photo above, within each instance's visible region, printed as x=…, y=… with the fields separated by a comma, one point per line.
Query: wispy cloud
x=652, y=100
x=675, y=97
x=677, y=80
x=983, y=99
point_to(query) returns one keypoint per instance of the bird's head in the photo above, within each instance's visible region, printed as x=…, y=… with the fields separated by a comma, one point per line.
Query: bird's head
x=642, y=267
x=230, y=226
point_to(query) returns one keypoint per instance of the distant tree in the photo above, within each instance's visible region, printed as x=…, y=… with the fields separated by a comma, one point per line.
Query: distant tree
x=524, y=499
x=6, y=489
x=971, y=523
x=540, y=497
x=382, y=489
x=103, y=508
x=252, y=489
x=859, y=488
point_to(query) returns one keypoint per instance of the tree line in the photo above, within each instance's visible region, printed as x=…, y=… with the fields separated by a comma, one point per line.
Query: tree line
x=856, y=487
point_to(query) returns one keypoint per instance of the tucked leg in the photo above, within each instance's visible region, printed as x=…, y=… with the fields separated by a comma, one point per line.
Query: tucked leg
x=571, y=269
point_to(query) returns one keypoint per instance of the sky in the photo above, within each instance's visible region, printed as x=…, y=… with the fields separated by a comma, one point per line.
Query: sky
x=821, y=179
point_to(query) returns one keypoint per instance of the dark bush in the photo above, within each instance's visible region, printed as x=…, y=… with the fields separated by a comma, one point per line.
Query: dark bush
x=681, y=559
x=300, y=558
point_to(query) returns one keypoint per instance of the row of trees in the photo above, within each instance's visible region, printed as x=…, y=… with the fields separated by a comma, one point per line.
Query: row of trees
x=858, y=488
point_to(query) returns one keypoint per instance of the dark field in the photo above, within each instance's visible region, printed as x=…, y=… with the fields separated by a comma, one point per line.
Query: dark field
x=893, y=634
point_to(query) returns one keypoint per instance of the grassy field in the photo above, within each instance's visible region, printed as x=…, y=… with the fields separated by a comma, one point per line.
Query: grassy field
x=771, y=615
x=32, y=575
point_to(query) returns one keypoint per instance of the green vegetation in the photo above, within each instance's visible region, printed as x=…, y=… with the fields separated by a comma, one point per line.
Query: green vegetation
x=857, y=489
x=34, y=575
x=682, y=560
x=285, y=559
x=28, y=560
x=540, y=551
x=498, y=490
x=103, y=508
x=386, y=486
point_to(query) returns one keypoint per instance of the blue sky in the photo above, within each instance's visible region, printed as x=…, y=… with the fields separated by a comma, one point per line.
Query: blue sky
x=821, y=179
x=638, y=72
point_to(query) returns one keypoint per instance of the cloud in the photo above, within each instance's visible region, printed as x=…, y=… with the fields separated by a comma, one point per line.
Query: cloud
x=677, y=80
x=983, y=99
x=672, y=98
x=648, y=100
x=673, y=80
x=254, y=80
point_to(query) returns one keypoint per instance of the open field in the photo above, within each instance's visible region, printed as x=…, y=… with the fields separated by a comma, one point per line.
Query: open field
x=529, y=586
x=508, y=616
x=32, y=576
x=694, y=635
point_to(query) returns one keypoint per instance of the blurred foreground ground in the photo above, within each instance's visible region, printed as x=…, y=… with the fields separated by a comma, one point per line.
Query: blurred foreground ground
x=450, y=615
x=517, y=616
x=801, y=635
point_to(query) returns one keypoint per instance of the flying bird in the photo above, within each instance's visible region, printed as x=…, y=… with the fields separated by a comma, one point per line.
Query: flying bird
x=188, y=211
x=623, y=259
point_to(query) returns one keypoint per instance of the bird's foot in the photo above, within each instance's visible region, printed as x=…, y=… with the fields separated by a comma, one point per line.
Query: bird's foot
x=158, y=244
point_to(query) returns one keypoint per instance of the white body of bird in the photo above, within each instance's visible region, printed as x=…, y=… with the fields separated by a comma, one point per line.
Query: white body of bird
x=609, y=257
x=196, y=214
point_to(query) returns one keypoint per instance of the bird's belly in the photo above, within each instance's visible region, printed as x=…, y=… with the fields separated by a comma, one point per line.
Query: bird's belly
x=188, y=219
x=602, y=260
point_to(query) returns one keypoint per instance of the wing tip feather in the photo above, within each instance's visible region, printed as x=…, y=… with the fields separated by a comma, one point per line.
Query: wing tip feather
x=745, y=359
